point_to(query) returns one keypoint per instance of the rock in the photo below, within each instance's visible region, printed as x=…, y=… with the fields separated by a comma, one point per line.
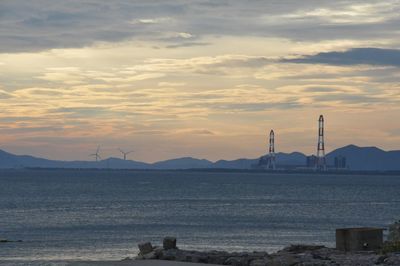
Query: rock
x=381, y=259
x=192, y=258
x=390, y=247
x=234, y=261
x=284, y=259
x=169, y=243
x=242, y=260
x=179, y=254
x=217, y=258
x=259, y=254
x=197, y=259
x=150, y=256
x=392, y=259
x=355, y=258
x=158, y=251
x=169, y=254
x=302, y=248
x=295, y=255
x=258, y=262
x=145, y=248
x=316, y=263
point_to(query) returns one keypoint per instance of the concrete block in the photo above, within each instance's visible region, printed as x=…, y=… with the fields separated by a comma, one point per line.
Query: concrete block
x=359, y=239
x=169, y=243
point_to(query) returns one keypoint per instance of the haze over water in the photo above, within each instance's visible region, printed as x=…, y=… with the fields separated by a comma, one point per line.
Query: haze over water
x=68, y=215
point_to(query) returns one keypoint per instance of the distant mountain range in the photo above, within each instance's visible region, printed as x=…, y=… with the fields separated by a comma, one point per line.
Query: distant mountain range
x=367, y=158
x=358, y=158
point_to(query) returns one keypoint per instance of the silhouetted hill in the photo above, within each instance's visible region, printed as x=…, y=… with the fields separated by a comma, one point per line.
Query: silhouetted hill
x=235, y=164
x=8, y=160
x=182, y=163
x=367, y=158
x=282, y=159
x=294, y=158
x=111, y=163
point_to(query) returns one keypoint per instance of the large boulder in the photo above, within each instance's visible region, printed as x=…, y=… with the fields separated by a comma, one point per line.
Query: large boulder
x=145, y=248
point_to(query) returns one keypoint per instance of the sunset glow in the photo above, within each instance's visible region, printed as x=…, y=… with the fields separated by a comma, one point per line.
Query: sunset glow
x=195, y=78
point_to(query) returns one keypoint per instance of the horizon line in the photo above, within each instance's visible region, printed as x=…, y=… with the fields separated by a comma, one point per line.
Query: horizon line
x=191, y=157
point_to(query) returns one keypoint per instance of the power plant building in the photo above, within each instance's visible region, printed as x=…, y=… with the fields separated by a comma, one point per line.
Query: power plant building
x=340, y=162
x=311, y=161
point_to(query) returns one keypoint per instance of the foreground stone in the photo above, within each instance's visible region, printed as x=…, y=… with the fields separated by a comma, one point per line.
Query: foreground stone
x=300, y=255
x=145, y=248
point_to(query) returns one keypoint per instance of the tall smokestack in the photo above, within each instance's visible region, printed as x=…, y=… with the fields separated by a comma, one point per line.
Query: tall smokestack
x=271, y=159
x=321, y=160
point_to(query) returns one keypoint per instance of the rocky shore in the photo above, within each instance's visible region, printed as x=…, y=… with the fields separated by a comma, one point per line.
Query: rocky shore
x=301, y=255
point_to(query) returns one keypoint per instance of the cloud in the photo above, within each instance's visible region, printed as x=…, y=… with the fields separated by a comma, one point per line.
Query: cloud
x=152, y=20
x=187, y=44
x=184, y=35
x=352, y=99
x=216, y=65
x=320, y=89
x=171, y=84
x=77, y=76
x=167, y=74
x=355, y=56
x=260, y=106
x=195, y=131
x=5, y=95
x=47, y=24
x=353, y=13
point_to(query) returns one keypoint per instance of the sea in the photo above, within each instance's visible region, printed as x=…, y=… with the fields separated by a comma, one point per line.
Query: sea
x=69, y=215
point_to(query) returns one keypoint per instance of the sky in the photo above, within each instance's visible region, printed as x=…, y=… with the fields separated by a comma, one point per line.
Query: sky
x=201, y=78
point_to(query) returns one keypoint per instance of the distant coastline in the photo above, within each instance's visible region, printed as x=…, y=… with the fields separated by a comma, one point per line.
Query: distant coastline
x=357, y=160
x=211, y=170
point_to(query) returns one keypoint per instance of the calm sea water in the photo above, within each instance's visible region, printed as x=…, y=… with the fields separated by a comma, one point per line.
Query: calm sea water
x=102, y=215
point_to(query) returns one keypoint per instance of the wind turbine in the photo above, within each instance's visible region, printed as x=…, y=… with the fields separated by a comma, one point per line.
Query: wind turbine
x=125, y=153
x=96, y=155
